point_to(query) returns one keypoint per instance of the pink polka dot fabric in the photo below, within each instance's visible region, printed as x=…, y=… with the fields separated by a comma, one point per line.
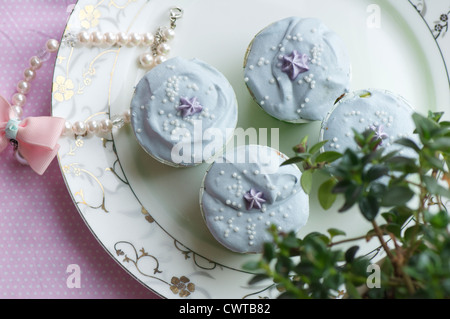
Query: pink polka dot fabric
x=44, y=242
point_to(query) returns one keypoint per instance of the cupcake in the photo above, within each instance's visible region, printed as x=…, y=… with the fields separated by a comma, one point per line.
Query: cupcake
x=245, y=191
x=385, y=113
x=183, y=112
x=295, y=69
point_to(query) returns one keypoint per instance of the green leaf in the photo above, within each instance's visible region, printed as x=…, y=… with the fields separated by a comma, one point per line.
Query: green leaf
x=252, y=265
x=257, y=278
x=342, y=186
x=441, y=144
x=394, y=229
x=424, y=127
x=439, y=220
x=402, y=213
x=290, y=241
x=352, y=291
x=283, y=265
x=433, y=187
x=306, y=181
x=410, y=231
x=325, y=194
x=316, y=147
x=335, y=232
x=435, y=116
x=377, y=189
x=402, y=164
x=397, y=196
x=328, y=157
x=369, y=207
x=313, y=236
x=351, y=197
x=296, y=159
x=268, y=252
x=408, y=143
x=389, y=217
x=434, y=162
x=359, y=138
x=375, y=172
x=351, y=253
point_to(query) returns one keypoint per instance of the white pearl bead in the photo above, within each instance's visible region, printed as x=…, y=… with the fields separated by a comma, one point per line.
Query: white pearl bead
x=52, y=45
x=160, y=59
x=92, y=127
x=97, y=38
x=67, y=128
x=29, y=74
x=169, y=33
x=23, y=87
x=35, y=63
x=122, y=38
x=106, y=125
x=163, y=48
x=79, y=128
x=110, y=38
x=148, y=39
x=135, y=39
x=84, y=38
x=19, y=99
x=18, y=112
x=146, y=60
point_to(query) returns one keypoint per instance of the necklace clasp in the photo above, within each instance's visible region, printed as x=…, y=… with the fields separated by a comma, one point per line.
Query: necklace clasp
x=175, y=13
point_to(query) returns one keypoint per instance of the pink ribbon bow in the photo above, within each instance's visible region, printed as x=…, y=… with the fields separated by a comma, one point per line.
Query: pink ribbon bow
x=36, y=137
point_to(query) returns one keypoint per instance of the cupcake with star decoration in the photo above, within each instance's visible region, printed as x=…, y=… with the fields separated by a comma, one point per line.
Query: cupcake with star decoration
x=296, y=68
x=245, y=191
x=183, y=112
x=385, y=113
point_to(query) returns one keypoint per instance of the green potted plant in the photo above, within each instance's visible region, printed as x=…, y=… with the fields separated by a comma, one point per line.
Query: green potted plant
x=407, y=194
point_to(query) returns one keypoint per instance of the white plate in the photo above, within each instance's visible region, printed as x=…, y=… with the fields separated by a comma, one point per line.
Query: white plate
x=147, y=215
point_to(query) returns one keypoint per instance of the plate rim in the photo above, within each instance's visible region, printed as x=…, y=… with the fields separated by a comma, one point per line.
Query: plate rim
x=93, y=232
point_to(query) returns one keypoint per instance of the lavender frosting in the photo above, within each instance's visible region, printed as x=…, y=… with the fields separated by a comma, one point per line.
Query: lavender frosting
x=183, y=112
x=384, y=112
x=246, y=191
x=296, y=68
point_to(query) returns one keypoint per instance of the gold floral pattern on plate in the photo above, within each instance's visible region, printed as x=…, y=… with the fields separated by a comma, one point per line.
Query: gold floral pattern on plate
x=181, y=286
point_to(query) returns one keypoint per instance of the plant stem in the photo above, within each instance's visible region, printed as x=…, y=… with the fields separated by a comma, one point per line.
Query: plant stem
x=394, y=260
x=346, y=240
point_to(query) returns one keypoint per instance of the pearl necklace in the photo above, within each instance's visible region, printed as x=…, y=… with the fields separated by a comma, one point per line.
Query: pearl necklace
x=157, y=53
